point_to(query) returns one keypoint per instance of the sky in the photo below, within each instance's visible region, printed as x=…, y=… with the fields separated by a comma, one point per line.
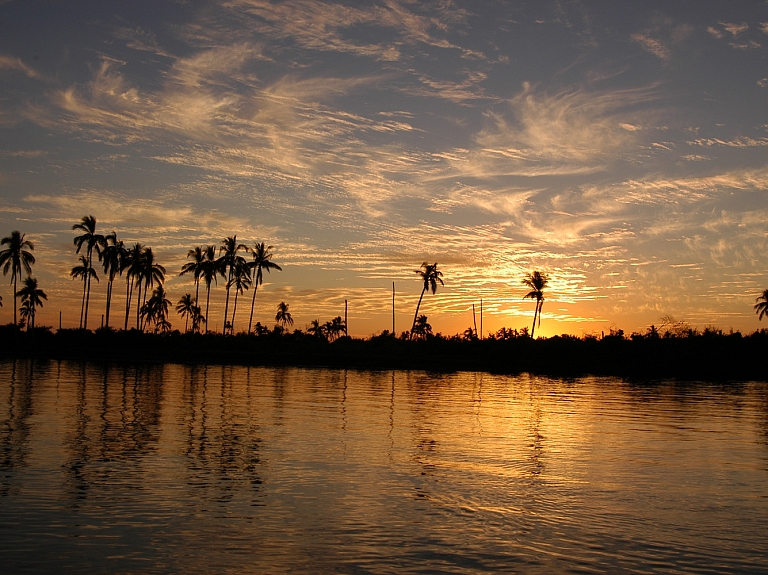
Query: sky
x=619, y=147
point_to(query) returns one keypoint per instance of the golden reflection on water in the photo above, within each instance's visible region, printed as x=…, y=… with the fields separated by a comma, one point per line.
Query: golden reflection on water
x=169, y=468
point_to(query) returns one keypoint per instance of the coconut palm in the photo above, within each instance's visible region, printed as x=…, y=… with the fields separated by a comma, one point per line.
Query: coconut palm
x=150, y=273
x=83, y=271
x=186, y=308
x=155, y=309
x=14, y=258
x=316, y=329
x=131, y=264
x=761, y=307
x=261, y=261
x=210, y=271
x=31, y=297
x=283, y=316
x=91, y=240
x=195, y=267
x=197, y=319
x=241, y=280
x=536, y=281
x=421, y=328
x=430, y=276
x=112, y=258
x=228, y=261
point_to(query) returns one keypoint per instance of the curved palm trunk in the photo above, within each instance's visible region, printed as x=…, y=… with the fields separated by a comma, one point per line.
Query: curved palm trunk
x=128, y=296
x=15, y=321
x=535, y=315
x=109, y=301
x=253, y=303
x=186, y=323
x=418, y=305
x=207, y=304
x=82, y=304
x=88, y=294
x=226, y=305
x=138, y=307
x=234, y=313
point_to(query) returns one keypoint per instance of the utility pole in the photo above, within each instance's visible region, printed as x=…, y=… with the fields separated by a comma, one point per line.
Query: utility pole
x=474, y=318
x=59, y=321
x=481, y=318
x=346, y=327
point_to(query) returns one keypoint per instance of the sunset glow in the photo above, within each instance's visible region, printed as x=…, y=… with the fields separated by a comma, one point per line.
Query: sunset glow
x=620, y=148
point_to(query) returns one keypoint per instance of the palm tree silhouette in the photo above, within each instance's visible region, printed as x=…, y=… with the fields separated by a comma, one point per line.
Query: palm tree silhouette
x=14, y=258
x=83, y=272
x=211, y=269
x=155, y=309
x=31, y=297
x=430, y=276
x=241, y=280
x=195, y=267
x=91, y=240
x=761, y=307
x=131, y=265
x=228, y=261
x=283, y=316
x=536, y=281
x=421, y=328
x=261, y=261
x=316, y=328
x=150, y=273
x=112, y=259
x=186, y=309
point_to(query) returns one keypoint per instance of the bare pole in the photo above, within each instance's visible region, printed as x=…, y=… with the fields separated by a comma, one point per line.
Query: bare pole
x=393, y=308
x=481, y=318
x=474, y=318
x=346, y=328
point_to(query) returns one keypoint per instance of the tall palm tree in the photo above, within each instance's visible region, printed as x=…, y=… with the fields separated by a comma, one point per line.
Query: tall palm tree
x=31, y=297
x=83, y=271
x=131, y=264
x=150, y=273
x=761, y=307
x=430, y=277
x=536, y=281
x=14, y=258
x=195, y=267
x=261, y=261
x=155, y=309
x=283, y=316
x=211, y=270
x=91, y=240
x=229, y=260
x=241, y=280
x=186, y=309
x=112, y=259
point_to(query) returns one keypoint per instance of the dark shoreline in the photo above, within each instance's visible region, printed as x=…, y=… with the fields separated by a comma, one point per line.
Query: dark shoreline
x=714, y=357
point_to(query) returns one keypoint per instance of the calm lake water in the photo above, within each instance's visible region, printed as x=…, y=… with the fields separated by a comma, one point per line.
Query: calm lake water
x=200, y=469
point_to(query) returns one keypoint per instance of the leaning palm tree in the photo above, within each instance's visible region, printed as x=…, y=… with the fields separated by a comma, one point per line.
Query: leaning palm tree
x=83, y=271
x=761, y=307
x=31, y=297
x=14, y=258
x=228, y=262
x=430, y=277
x=91, y=240
x=186, y=309
x=211, y=270
x=536, y=281
x=283, y=316
x=195, y=267
x=261, y=261
x=112, y=259
x=241, y=280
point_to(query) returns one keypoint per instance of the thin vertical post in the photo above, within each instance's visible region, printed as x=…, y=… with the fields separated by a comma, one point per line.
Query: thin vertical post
x=59, y=321
x=393, y=309
x=346, y=327
x=474, y=318
x=481, y=318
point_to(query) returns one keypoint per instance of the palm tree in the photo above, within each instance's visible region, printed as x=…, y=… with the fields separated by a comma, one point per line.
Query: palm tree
x=150, y=273
x=242, y=281
x=131, y=265
x=112, y=259
x=197, y=319
x=316, y=329
x=195, y=267
x=84, y=271
x=761, y=308
x=536, y=281
x=31, y=297
x=155, y=309
x=261, y=257
x=91, y=240
x=430, y=276
x=228, y=261
x=14, y=258
x=186, y=308
x=422, y=329
x=283, y=316
x=211, y=269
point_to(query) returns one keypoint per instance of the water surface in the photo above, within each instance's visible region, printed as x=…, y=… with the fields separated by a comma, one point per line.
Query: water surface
x=171, y=468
